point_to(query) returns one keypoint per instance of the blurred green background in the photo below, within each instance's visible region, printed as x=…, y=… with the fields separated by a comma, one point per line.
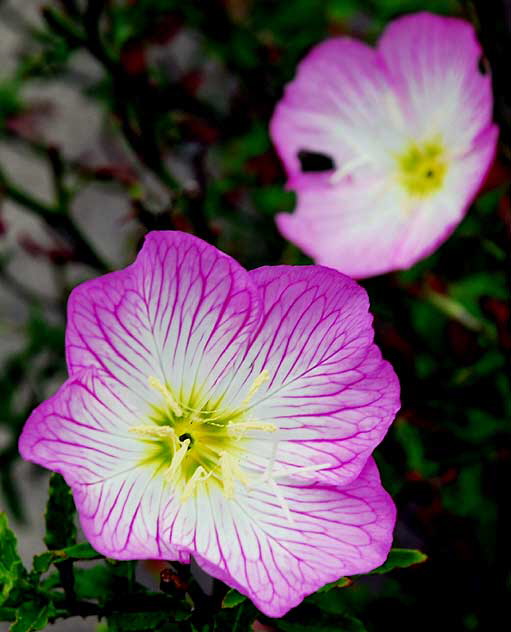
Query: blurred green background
x=120, y=117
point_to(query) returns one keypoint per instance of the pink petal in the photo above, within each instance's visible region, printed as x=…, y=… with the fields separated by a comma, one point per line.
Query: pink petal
x=323, y=215
x=330, y=394
x=179, y=313
x=336, y=105
x=82, y=433
x=432, y=62
x=435, y=219
x=336, y=226
x=334, y=532
x=125, y=516
x=364, y=108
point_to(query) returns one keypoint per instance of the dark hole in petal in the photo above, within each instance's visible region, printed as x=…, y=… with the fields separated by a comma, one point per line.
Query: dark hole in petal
x=313, y=161
x=483, y=65
x=185, y=436
x=430, y=173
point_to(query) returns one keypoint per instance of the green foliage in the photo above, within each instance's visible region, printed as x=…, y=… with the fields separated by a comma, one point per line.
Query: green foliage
x=138, y=621
x=10, y=100
x=400, y=558
x=11, y=566
x=60, y=515
x=232, y=599
x=343, y=582
x=346, y=624
x=82, y=551
x=32, y=616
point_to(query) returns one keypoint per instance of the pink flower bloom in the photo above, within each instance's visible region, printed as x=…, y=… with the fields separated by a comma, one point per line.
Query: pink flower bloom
x=224, y=414
x=408, y=127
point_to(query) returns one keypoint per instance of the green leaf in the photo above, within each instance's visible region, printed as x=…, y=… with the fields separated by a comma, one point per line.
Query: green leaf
x=60, y=513
x=94, y=583
x=81, y=551
x=11, y=566
x=346, y=624
x=232, y=599
x=343, y=582
x=401, y=558
x=42, y=562
x=413, y=446
x=32, y=616
x=138, y=621
x=7, y=614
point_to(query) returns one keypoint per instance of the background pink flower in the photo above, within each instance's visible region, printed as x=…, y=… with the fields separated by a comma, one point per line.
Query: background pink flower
x=409, y=130
x=224, y=414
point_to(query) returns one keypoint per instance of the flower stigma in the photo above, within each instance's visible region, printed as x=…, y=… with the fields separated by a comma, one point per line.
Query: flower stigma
x=192, y=445
x=422, y=168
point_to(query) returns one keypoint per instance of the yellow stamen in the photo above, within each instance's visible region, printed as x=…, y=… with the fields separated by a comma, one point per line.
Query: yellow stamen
x=263, y=377
x=147, y=430
x=167, y=395
x=199, y=475
x=237, y=428
x=422, y=167
x=177, y=459
x=231, y=472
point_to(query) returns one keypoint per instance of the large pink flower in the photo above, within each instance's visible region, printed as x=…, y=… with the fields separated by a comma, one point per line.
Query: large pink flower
x=409, y=130
x=224, y=414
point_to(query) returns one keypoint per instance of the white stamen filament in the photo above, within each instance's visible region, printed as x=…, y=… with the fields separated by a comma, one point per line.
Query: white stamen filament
x=298, y=471
x=282, y=501
x=177, y=459
x=198, y=476
x=167, y=396
x=348, y=168
x=271, y=462
x=231, y=471
x=263, y=377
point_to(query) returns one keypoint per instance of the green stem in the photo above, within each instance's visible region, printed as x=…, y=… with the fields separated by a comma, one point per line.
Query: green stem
x=455, y=310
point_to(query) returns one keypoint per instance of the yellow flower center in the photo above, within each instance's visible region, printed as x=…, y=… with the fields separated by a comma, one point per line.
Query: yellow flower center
x=422, y=167
x=192, y=444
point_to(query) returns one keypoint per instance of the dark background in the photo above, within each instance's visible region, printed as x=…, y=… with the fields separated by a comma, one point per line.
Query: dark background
x=121, y=117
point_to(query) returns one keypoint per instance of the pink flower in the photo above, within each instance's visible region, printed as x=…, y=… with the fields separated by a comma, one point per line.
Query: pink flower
x=409, y=130
x=224, y=414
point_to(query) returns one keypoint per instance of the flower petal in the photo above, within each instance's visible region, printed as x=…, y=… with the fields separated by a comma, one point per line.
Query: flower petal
x=433, y=220
x=82, y=433
x=330, y=393
x=433, y=65
x=336, y=226
x=348, y=227
x=340, y=104
x=420, y=86
x=179, y=313
x=124, y=517
x=334, y=532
